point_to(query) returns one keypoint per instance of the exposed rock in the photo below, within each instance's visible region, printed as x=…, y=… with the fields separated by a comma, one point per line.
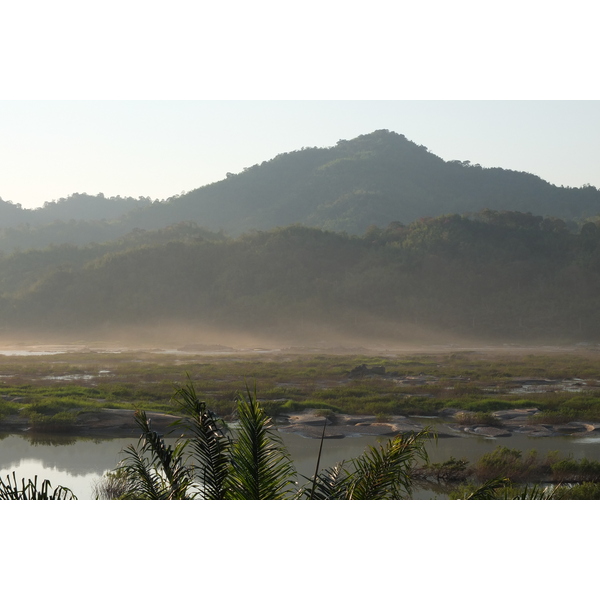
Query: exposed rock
x=573, y=427
x=490, y=431
x=448, y=412
x=543, y=432
x=121, y=421
x=365, y=371
x=515, y=413
x=308, y=424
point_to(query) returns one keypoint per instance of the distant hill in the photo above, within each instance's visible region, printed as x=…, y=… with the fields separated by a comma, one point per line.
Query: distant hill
x=503, y=276
x=374, y=179
x=78, y=207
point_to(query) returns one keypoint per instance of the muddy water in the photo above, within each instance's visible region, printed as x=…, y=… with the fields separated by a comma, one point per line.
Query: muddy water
x=78, y=463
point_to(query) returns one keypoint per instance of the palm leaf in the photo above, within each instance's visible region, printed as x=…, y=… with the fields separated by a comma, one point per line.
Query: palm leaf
x=330, y=484
x=385, y=472
x=156, y=471
x=208, y=443
x=261, y=467
x=312, y=492
x=489, y=490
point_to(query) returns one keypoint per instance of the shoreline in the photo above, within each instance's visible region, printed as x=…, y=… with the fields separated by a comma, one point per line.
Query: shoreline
x=310, y=424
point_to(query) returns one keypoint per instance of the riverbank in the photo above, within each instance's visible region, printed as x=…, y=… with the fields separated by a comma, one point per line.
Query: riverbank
x=485, y=393
x=310, y=423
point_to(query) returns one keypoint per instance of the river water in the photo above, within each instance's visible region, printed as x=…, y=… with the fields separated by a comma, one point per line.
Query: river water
x=78, y=463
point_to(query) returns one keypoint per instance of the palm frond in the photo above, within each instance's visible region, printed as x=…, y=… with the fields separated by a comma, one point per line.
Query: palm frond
x=330, y=484
x=208, y=443
x=315, y=477
x=489, y=490
x=157, y=471
x=261, y=467
x=385, y=472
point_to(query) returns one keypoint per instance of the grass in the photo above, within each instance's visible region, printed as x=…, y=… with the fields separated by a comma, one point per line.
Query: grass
x=467, y=381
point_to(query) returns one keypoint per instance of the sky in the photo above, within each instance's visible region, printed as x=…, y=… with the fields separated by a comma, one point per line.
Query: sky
x=158, y=148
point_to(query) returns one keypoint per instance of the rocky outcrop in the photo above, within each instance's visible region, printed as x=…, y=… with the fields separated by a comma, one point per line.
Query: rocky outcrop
x=310, y=424
x=365, y=371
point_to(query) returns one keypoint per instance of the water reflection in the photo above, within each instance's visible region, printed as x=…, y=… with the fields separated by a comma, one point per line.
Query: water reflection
x=77, y=463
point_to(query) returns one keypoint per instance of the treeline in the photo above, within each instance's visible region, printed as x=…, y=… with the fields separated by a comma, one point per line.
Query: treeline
x=494, y=275
x=373, y=179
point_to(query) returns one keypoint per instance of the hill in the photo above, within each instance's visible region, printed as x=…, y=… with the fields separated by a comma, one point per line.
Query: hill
x=374, y=179
x=503, y=276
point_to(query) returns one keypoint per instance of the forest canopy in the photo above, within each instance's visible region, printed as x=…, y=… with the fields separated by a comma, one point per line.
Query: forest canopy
x=496, y=275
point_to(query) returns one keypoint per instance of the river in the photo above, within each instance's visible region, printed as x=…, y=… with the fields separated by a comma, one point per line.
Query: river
x=77, y=463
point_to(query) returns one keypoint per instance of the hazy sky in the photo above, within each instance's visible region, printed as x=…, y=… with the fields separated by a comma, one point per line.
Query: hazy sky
x=51, y=149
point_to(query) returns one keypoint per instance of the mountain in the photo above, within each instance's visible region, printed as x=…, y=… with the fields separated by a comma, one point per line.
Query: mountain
x=374, y=179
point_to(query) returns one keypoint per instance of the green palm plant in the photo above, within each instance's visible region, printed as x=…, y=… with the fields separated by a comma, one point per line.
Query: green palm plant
x=261, y=468
x=153, y=470
x=253, y=465
x=209, y=445
x=380, y=473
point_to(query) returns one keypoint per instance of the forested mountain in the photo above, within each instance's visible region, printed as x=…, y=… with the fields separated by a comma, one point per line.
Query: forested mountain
x=78, y=219
x=503, y=276
x=374, y=237
x=78, y=207
x=373, y=179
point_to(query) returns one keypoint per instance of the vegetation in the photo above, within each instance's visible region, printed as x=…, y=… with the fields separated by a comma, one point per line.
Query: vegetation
x=12, y=490
x=494, y=275
x=252, y=464
x=212, y=461
x=507, y=473
x=422, y=246
x=51, y=393
x=374, y=179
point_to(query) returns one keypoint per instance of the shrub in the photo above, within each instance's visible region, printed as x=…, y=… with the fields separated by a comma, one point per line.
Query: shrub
x=508, y=463
x=581, y=491
x=572, y=470
x=479, y=418
x=62, y=421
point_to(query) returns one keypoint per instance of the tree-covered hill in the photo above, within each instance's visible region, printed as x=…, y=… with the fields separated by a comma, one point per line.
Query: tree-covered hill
x=373, y=179
x=504, y=276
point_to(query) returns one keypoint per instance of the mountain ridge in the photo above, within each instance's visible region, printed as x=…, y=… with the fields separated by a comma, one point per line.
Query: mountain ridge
x=373, y=179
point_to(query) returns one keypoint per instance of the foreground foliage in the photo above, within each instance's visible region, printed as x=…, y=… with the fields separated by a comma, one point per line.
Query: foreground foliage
x=13, y=490
x=252, y=464
x=249, y=461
